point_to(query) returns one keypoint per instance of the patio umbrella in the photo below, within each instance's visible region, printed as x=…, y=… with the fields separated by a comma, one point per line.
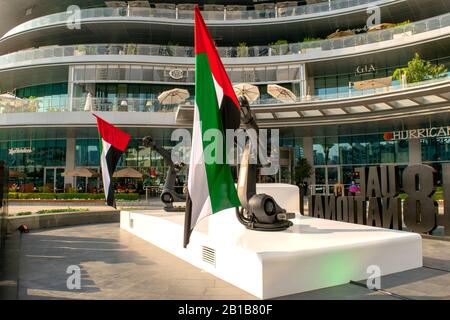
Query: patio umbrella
x=247, y=90
x=81, y=172
x=128, y=173
x=287, y=4
x=264, y=6
x=89, y=102
x=139, y=4
x=8, y=100
x=186, y=6
x=281, y=93
x=165, y=6
x=174, y=96
x=381, y=26
x=339, y=34
x=116, y=4
x=213, y=7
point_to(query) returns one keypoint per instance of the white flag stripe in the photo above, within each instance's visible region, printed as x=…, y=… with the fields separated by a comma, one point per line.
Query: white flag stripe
x=219, y=91
x=105, y=172
x=198, y=181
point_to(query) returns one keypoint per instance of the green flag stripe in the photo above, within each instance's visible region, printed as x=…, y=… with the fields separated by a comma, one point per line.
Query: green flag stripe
x=222, y=190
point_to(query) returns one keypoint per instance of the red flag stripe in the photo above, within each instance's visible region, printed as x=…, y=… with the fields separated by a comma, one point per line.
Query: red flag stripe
x=205, y=44
x=114, y=136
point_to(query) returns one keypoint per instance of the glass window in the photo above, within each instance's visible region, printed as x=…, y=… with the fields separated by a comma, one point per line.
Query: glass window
x=319, y=151
x=282, y=73
x=87, y=152
x=78, y=73
x=345, y=150
x=90, y=73
x=113, y=72
x=359, y=150
x=147, y=74
x=136, y=73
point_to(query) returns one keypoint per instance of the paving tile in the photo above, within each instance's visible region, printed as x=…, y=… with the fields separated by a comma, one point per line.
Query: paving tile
x=117, y=265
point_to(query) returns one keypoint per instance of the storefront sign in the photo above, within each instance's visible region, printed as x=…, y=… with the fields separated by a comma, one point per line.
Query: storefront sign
x=176, y=74
x=368, y=68
x=377, y=203
x=13, y=151
x=433, y=132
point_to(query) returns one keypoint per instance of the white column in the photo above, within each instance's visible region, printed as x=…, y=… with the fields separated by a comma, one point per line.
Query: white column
x=415, y=151
x=309, y=155
x=302, y=78
x=69, y=104
x=70, y=157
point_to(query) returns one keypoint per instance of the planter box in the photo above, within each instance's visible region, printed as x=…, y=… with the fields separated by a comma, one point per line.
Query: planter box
x=402, y=35
x=310, y=50
x=53, y=220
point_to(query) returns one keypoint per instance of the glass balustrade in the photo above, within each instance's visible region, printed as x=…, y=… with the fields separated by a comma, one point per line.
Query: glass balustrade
x=104, y=12
x=8, y=105
x=409, y=30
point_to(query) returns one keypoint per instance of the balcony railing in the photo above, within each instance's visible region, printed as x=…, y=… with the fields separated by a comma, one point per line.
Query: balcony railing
x=225, y=14
x=400, y=32
x=48, y=104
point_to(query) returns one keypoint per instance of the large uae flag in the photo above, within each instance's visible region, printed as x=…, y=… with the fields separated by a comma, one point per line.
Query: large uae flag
x=210, y=184
x=113, y=143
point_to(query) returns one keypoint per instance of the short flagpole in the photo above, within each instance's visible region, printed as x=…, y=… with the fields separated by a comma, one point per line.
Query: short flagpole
x=187, y=220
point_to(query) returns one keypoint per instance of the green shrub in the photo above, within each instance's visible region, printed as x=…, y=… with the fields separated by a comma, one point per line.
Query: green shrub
x=71, y=196
x=279, y=47
x=419, y=70
x=41, y=196
x=62, y=210
x=404, y=23
x=81, y=196
x=24, y=213
x=311, y=39
x=127, y=196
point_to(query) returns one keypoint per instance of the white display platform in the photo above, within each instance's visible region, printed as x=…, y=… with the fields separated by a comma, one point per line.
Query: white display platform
x=312, y=254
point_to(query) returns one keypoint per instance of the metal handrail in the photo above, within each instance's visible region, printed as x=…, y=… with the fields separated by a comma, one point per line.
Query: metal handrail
x=275, y=13
x=300, y=48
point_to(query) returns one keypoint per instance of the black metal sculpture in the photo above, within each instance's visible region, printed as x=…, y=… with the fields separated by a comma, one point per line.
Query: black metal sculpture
x=168, y=195
x=258, y=211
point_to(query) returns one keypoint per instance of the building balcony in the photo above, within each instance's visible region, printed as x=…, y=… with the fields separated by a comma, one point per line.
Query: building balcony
x=394, y=102
x=161, y=25
x=214, y=16
x=388, y=39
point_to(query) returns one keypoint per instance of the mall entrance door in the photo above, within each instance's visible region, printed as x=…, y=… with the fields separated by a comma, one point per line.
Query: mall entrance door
x=326, y=178
x=53, y=179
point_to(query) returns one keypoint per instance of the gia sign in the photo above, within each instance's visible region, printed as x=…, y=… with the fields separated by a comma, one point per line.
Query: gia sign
x=377, y=204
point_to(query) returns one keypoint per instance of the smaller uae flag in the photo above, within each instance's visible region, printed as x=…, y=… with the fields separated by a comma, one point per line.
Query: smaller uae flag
x=113, y=143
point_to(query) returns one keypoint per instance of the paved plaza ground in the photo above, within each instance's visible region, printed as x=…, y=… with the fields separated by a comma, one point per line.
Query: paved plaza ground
x=118, y=265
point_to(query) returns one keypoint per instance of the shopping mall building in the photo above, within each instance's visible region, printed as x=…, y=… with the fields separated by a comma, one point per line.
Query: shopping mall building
x=58, y=64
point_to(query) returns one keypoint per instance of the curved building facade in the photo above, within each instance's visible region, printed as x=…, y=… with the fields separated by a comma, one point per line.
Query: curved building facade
x=60, y=62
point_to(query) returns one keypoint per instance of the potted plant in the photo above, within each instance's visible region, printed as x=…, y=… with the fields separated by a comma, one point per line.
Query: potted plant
x=404, y=33
x=172, y=48
x=80, y=50
x=419, y=70
x=131, y=49
x=311, y=46
x=280, y=47
x=242, y=50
